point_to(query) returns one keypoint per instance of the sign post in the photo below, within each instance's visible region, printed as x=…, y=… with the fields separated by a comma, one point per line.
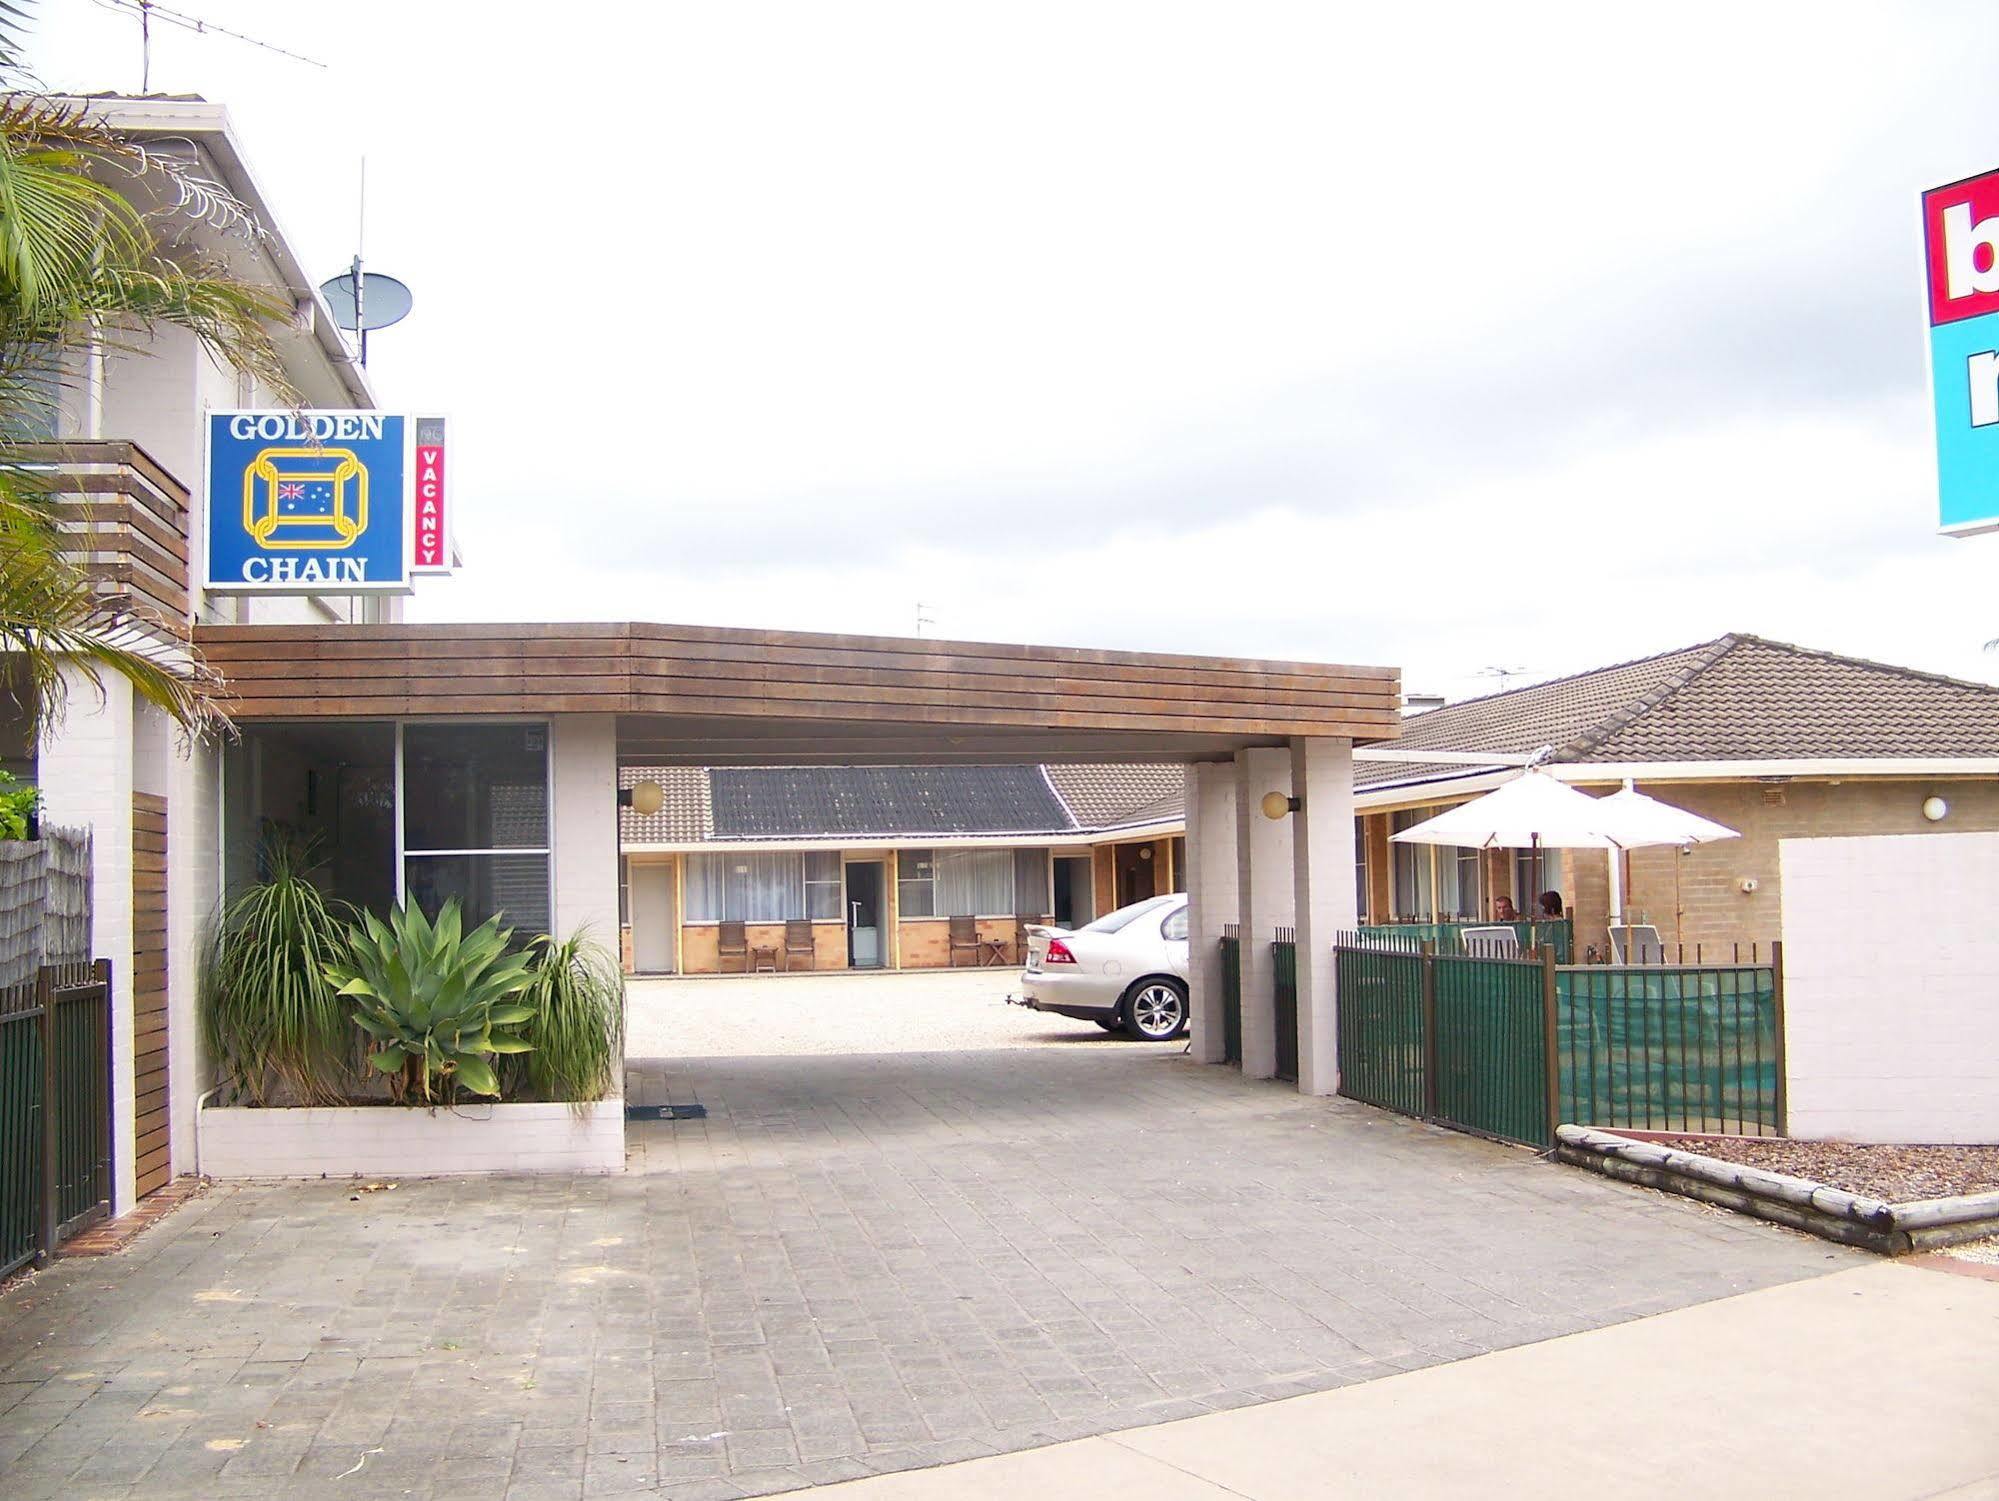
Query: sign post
x=1961, y=246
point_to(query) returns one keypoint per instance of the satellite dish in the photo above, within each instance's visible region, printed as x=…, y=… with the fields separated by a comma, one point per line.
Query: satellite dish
x=385, y=300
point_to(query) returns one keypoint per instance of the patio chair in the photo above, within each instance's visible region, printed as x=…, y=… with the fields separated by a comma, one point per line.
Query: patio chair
x=1024, y=925
x=1498, y=942
x=1636, y=943
x=798, y=942
x=964, y=938
x=732, y=941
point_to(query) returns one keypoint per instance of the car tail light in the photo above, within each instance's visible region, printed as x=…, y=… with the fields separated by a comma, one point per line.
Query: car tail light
x=1058, y=953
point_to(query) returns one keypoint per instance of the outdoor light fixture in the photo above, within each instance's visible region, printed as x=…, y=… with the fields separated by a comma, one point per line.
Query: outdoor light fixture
x=1276, y=804
x=1935, y=809
x=643, y=798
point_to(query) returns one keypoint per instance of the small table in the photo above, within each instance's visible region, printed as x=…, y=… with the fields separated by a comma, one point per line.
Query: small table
x=763, y=959
x=992, y=951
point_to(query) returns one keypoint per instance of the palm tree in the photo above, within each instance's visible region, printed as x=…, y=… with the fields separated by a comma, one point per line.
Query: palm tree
x=84, y=266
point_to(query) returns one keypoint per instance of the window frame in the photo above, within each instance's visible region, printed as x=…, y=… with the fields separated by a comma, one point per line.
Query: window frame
x=546, y=850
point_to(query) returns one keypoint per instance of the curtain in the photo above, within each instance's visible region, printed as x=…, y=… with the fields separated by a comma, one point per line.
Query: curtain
x=975, y=883
x=1030, y=883
x=768, y=887
x=822, y=884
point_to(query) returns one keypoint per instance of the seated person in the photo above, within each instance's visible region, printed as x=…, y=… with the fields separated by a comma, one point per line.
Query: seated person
x=1551, y=906
x=1503, y=910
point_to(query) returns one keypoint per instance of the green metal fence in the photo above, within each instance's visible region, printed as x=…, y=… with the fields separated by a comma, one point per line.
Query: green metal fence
x=1231, y=994
x=1511, y=1047
x=1382, y=1028
x=55, y=1109
x=1672, y=1048
x=1284, y=998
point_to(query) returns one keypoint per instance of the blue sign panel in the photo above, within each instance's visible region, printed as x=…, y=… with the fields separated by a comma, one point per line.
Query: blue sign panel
x=308, y=502
x=1964, y=366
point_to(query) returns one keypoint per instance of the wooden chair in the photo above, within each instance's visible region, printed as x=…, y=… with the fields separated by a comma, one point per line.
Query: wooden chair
x=732, y=941
x=965, y=938
x=1021, y=923
x=798, y=941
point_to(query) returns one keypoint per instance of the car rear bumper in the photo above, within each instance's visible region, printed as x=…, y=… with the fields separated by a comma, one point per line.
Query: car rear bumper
x=1085, y=997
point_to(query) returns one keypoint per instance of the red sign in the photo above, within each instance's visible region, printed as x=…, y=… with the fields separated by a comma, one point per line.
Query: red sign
x=1961, y=238
x=433, y=534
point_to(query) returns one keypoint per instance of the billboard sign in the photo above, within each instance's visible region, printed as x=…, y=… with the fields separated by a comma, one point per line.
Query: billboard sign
x=431, y=551
x=1961, y=245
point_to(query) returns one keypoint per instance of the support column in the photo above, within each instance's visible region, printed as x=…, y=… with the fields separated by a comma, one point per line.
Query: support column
x=1211, y=898
x=1264, y=896
x=1322, y=863
x=584, y=755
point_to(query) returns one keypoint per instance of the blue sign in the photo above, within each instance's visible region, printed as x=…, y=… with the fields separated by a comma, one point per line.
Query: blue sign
x=308, y=502
x=1964, y=367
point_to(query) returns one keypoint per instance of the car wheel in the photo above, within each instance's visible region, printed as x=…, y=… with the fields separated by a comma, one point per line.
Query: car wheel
x=1156, y=1010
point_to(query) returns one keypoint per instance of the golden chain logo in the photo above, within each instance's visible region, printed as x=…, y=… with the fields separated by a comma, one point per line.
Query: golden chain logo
x=298, y=499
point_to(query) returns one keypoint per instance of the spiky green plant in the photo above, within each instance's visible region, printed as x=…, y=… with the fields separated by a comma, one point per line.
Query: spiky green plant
x=437, y=1003
x=577, y=1031
x=273, y=1023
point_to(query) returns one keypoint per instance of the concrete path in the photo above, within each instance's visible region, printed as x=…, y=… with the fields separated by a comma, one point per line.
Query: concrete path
x=1878, y=1382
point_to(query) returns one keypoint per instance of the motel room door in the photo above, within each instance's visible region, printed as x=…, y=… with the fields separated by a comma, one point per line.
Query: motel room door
x=865, y=911
x=1135, y=878
x=653, y=919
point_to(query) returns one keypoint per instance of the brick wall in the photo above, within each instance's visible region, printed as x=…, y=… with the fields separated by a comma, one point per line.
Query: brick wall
x=1697, y=898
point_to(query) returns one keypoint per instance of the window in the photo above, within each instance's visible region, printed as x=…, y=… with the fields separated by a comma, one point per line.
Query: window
x=915, y=883
x=764, y=887
x=1360, y=884
x=475, y=821
x=1030, y=883
x=1174, y=929
x=1179, y=863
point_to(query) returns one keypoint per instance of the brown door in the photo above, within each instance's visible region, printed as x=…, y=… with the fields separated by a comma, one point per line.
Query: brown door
x=152, y=1151
x=1135, y=877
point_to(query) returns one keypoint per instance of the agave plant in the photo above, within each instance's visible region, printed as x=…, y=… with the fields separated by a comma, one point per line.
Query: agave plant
x=436, y=1002
x=577, y=1030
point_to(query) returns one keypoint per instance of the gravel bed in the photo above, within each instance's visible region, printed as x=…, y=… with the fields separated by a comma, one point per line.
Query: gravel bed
x=1894, y=1174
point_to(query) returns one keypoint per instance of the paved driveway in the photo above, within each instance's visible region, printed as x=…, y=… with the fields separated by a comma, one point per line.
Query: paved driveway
x=854, y=1263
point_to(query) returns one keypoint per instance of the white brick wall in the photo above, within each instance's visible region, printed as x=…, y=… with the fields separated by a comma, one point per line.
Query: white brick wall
x=386, y=1142
x=1891, y=964
x=194, y=888
x=584, y=771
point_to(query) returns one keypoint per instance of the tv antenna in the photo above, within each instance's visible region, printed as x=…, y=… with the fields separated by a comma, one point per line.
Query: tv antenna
x=1501, y=673
x=922, y=619
x=360, y=301
x=149, y=11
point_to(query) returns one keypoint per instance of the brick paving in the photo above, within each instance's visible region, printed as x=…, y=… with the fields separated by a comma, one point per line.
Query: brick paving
x=853, y=1264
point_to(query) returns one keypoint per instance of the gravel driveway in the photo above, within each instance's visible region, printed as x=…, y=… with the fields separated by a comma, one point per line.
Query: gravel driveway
x=738, y=1016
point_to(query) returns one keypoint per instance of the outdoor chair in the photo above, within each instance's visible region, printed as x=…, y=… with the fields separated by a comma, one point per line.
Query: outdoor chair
x=965, y=939
x=1636, y=943
x=798, y=942
x=1023, y=926
x=732, y=942
x=1499, y=942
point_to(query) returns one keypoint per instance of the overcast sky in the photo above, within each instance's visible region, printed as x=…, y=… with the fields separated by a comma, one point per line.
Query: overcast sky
x=1522, y=337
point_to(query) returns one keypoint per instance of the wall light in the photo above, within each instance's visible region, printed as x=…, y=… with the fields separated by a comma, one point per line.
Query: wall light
x=1276, y=805
x=1935, y=809
x=643, y=798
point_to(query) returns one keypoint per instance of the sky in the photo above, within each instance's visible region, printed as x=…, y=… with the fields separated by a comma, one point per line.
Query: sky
x=1488, y=342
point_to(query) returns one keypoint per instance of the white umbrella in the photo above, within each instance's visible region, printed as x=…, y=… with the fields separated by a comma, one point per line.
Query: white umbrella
x=1664, y=824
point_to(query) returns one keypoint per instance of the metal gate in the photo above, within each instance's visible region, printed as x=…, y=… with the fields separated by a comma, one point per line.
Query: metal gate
x=1231, y=995
x=55, y=1109
x=1284, y=999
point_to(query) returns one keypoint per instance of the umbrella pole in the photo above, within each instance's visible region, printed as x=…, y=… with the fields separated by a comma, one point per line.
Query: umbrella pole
x=1433, y=887
x=1616, y=886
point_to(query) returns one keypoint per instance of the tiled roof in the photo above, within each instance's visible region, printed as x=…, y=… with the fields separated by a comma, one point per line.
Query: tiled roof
x=684, y=817
x=811, y=802
x=1739, y=697
x=1107, y=795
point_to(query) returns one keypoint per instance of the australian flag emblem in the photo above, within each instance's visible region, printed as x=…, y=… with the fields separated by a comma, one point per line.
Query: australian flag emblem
x=305, y=498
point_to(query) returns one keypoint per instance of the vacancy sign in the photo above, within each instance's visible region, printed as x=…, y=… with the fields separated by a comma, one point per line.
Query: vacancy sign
x=431, y=546
x=1961, y=241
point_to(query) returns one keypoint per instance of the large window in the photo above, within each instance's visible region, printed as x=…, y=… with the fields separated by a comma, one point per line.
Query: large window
x=1459, y=889
x=967, y=883
x=773, y=887
x=475, y=821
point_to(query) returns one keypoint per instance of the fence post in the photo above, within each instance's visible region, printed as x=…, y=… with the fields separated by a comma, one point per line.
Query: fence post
x=1783, y=1061
x=45, y=997
x=1551, y=1060
x=1427, y=988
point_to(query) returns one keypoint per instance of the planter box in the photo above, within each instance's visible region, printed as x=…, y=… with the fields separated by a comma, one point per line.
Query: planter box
x=399, y=1142
x=1853, y=1219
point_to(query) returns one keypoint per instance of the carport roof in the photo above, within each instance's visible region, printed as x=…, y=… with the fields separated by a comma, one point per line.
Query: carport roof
x=714, y=696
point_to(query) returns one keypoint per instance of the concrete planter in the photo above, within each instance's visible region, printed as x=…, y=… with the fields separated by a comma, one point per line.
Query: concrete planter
x=392, y=1141
x=1852, y=1219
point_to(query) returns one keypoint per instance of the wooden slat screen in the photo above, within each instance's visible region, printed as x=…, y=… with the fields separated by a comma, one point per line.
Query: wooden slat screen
x=151, y=1108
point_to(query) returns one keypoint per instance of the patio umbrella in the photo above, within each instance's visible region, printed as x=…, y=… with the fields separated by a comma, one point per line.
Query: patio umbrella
x=1665, y=824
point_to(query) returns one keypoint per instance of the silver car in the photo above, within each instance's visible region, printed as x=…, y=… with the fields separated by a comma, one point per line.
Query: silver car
x=1128, y=969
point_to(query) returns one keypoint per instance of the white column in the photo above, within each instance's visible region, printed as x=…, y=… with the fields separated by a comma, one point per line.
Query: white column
x=584, y=825
x=194, y=888
x=1263, y=891
x=1211, y=898
x=1322, y=864
x=84, y=769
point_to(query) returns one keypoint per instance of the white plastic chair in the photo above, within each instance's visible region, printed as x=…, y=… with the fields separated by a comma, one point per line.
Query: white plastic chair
x=1636, y=943
x=1490, y=943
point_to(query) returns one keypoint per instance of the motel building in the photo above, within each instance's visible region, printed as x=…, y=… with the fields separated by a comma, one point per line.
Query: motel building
x=487, y=762
x=790, y=868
